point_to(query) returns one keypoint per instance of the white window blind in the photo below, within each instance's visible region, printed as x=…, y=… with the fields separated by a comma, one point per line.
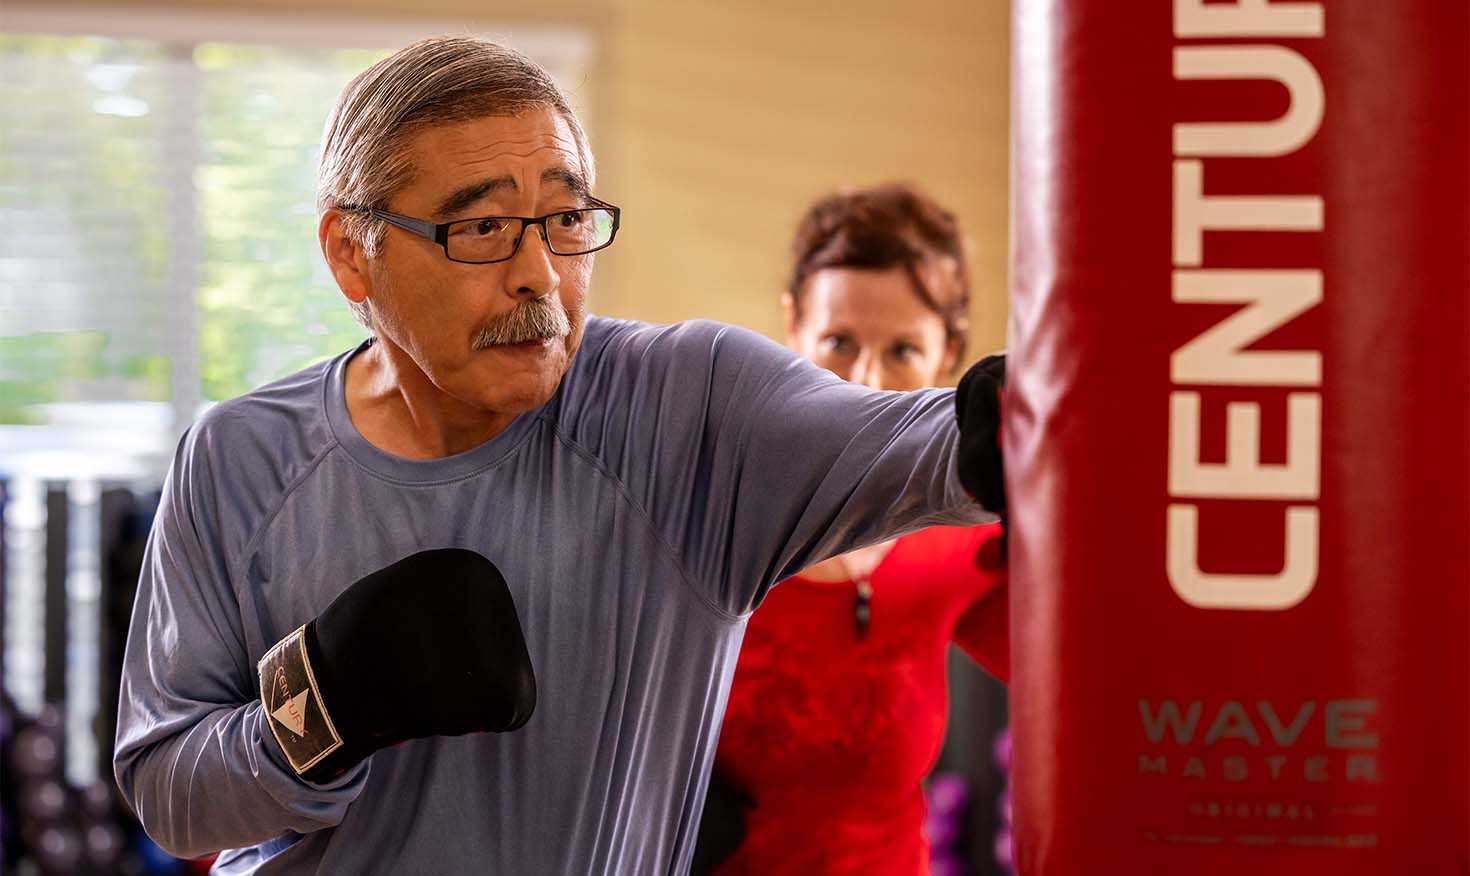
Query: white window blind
x=84, y=233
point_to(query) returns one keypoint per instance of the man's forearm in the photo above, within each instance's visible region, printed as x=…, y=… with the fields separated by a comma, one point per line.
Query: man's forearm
x=222, y=783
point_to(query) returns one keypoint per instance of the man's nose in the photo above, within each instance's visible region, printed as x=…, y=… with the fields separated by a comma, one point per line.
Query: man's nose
x=531, y=273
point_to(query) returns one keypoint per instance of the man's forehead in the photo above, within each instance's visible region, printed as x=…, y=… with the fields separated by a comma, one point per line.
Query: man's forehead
x=541, y=135
x=461, y=162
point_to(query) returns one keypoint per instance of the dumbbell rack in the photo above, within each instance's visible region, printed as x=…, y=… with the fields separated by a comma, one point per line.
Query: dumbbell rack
x=60, y=655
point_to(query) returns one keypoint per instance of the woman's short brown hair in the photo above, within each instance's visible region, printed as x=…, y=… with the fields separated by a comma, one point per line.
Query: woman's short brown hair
x=889, y=225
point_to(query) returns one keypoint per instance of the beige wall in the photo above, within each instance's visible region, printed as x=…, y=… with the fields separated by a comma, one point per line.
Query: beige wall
x=728, y=119
x=717, y=123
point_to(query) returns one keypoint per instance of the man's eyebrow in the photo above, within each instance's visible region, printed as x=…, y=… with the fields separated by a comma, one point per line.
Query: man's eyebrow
x=467, y=195
x=575, y=182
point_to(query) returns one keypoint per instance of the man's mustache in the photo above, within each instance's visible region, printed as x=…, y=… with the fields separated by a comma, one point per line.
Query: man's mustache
x=530, y=320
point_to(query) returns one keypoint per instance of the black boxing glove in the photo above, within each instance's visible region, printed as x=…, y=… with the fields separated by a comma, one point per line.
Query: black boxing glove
x=722, y=825
x=977, y=408
x=429, y=646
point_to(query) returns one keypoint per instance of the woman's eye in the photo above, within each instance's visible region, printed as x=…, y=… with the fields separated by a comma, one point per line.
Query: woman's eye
x=489, y=226
x=567, y=220
x=905, y=351
x=836, y=344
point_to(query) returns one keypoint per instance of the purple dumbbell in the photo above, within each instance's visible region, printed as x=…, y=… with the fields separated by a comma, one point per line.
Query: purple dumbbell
x=1001, y=749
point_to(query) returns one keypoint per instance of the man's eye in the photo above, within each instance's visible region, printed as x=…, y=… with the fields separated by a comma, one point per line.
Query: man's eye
x=479, y=228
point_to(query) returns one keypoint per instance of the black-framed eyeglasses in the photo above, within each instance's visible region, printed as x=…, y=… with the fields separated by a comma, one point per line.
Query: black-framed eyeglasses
x=489, y=239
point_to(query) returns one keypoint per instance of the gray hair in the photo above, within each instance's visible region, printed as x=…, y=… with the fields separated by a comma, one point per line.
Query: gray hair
x=436, y=81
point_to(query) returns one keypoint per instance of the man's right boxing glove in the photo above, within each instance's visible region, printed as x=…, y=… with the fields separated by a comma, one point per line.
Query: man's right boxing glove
x=977, y=409
x=429, y=646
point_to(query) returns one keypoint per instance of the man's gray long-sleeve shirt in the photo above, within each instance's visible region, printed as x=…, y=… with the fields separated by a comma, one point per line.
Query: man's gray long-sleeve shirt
x=638, y=517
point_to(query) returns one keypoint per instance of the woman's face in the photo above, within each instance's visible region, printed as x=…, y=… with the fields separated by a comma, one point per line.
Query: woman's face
x=870, y=327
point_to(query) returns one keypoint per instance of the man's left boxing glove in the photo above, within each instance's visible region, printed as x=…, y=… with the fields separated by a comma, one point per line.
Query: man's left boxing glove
x=722, y=827
x=977, y=407
x=429, y=646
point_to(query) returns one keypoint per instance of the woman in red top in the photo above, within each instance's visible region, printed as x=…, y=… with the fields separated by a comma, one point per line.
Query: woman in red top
x=838, y=706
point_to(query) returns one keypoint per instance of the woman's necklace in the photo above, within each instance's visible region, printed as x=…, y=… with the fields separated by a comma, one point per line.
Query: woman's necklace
x=859, y=566
x=863, y=605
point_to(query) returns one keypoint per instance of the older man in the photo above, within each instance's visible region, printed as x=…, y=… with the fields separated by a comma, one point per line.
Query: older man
x=318, y=565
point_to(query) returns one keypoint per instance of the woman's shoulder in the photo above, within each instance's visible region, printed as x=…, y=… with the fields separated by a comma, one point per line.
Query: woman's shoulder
x=940, y=548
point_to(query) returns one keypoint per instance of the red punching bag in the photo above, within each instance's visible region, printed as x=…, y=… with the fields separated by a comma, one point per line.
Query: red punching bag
x=1237, y=437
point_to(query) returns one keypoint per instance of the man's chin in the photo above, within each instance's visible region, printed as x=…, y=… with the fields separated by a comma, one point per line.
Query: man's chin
x=514, y=378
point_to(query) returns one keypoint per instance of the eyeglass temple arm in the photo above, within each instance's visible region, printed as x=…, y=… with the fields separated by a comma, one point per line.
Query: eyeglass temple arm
x=421, y=227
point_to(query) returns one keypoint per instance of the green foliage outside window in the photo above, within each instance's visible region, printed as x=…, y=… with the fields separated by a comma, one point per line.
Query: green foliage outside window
x=267, y=304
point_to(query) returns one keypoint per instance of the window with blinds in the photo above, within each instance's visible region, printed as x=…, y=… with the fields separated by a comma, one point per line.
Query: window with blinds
x=85, y=194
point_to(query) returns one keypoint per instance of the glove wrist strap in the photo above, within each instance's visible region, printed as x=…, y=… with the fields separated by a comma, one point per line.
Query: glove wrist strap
x=293, y=703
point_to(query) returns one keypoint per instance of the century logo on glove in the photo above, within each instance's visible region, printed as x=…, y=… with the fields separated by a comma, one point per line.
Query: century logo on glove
x=294, y=707
x=292, y=713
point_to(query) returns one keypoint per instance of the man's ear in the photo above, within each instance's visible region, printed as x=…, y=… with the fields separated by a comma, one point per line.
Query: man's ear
x=345, y=258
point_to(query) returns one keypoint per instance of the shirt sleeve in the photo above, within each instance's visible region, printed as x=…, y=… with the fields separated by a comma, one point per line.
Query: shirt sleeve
x=753, y=463
x=194, y=756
